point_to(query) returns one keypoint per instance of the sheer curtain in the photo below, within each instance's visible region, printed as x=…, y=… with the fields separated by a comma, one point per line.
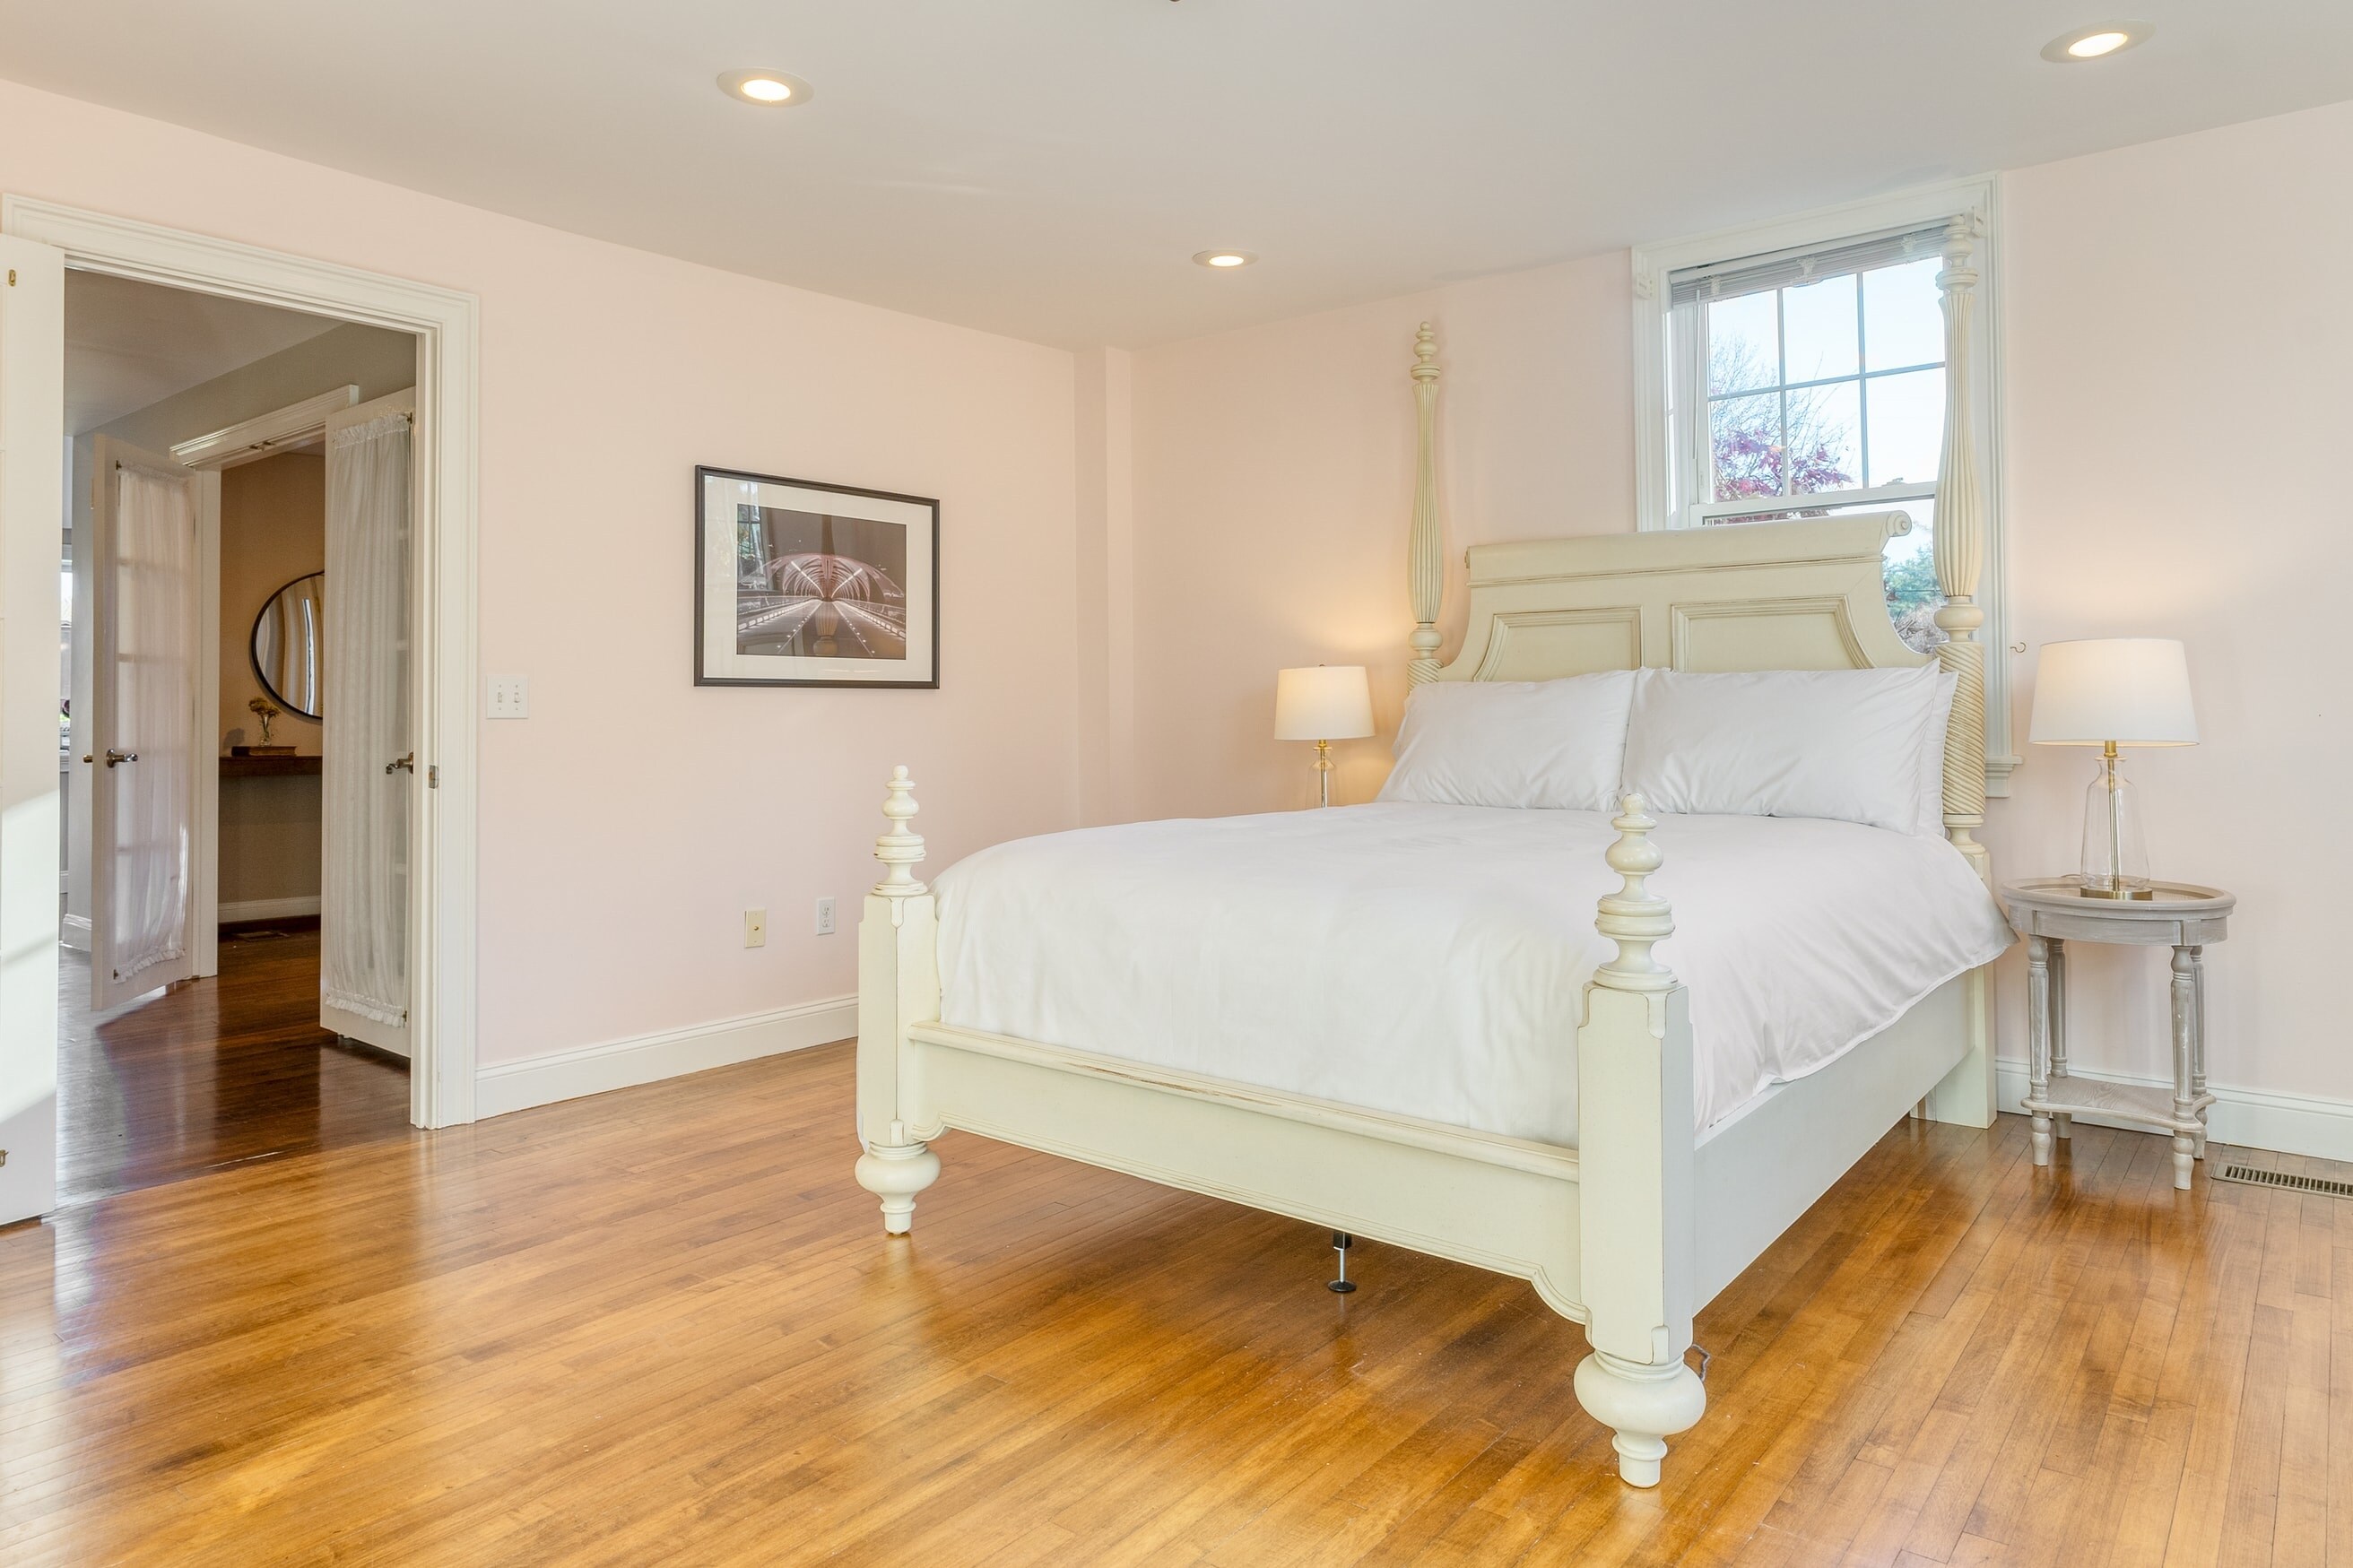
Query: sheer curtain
x=155, y=621
x=363, y=876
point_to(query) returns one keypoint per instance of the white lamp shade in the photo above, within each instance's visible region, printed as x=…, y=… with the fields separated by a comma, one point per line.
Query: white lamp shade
x=1323, y=702
x=2132, y=691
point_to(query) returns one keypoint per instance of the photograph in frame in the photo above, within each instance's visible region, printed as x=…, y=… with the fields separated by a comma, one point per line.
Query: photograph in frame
x=802, y=583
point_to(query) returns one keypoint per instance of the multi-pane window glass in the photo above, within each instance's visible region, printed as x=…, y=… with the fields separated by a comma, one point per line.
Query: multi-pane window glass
x=1827, y=384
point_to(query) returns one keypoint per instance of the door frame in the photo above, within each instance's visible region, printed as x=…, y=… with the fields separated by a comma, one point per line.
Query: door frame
x=442, y=914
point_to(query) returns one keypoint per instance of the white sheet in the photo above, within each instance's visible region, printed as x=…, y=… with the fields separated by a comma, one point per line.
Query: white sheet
x=1430, y=960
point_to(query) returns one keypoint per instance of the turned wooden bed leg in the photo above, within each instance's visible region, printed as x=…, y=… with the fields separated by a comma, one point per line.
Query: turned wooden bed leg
x=898, y=986
x=1636, y=1226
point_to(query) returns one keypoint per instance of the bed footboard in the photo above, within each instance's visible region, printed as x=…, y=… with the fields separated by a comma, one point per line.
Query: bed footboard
x=898, y=986
x=1637, y=1230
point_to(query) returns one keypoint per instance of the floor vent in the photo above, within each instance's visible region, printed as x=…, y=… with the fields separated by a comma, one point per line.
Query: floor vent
x=2262, y=1178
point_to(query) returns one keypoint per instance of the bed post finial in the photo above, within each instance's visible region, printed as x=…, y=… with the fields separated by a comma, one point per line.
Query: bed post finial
x=900, y=849
x=1958, y=550
x=1425, y=558
x=1634, y=917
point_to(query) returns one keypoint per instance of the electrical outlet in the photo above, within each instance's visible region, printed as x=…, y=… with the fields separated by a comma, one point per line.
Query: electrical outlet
x=825, y=916
x=510, y=697
x=755, y=928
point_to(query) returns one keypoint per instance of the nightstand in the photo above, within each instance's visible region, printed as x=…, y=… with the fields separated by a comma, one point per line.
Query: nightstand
x=2050, y=913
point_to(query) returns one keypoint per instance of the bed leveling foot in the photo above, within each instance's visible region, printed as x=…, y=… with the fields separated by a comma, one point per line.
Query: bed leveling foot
x=1341, y=1242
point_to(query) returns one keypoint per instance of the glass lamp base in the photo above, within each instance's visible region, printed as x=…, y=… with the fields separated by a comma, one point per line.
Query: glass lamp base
x=2129, y=890
x=2114, y=864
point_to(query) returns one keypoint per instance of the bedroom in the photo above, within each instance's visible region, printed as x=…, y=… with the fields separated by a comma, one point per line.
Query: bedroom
x=1144, y=519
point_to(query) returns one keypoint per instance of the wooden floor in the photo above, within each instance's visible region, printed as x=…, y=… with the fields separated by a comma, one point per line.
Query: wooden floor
x=661, y=1326
x=212, y=1072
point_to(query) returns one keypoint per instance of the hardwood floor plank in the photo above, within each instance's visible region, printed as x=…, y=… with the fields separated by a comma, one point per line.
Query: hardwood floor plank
x=662, y=1325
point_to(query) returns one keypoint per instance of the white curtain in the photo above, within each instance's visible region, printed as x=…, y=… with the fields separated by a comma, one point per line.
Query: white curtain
x=363, y=876
x=155, y=623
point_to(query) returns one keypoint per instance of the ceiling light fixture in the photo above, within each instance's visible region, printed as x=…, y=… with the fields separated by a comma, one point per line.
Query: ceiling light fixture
x=1224, y=261
x=2097, y=42
x=767, y=89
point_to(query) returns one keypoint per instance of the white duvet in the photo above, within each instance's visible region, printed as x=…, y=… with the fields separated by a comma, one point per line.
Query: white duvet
x=1430, y=960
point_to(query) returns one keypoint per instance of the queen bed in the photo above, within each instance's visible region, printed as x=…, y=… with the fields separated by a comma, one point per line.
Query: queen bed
x=1612, y=1053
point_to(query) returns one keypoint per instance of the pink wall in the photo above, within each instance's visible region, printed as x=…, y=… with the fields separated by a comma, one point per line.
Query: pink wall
x=2178, y=344
x=2177, y=349
x=1273, y=481
x=628, y=823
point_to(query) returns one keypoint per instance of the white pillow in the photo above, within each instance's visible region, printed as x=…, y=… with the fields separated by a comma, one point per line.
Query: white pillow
x=1557, y=743
x=1840, y=743
x=1932, y=758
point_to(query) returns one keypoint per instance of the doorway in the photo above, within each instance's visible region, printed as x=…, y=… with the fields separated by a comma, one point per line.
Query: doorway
x=239, y=523
x=38, y=243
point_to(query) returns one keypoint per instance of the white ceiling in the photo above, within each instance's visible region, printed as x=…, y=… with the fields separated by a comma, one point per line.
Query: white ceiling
x=131, y=345
x=1046, y=167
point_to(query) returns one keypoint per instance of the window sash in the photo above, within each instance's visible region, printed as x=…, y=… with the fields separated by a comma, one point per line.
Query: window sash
x=1705, y=512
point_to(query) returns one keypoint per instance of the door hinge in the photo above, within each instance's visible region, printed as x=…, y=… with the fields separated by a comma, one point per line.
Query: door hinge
x=433, y=776
x=12, y=278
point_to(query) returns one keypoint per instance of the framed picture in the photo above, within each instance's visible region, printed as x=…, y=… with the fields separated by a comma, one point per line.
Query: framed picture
x=808, y=584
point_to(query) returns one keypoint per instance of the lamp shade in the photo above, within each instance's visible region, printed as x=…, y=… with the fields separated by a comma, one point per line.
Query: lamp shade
x=1323, y=702
x=2132, y=691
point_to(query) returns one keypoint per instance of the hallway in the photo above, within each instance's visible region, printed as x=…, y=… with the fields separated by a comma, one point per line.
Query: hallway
x=213, y=1073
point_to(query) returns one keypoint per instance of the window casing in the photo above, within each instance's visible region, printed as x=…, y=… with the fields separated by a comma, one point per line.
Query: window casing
x=1797, y=369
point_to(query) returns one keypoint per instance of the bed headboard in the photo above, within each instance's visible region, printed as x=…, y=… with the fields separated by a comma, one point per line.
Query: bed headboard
x=1807, y=595
x=1793, y=595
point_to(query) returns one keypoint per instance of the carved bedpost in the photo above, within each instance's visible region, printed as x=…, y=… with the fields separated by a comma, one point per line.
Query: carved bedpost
x=898, y=986
x=1636, y=1227
x=1425, y=554
x=1959, y=551
x=1968, y=1095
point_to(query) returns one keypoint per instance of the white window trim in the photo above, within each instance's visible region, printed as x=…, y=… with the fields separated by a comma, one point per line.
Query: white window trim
x=1926, y=204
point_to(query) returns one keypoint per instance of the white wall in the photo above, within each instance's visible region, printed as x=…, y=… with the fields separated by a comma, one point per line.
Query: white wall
x=2178, y=401
x=629, y=822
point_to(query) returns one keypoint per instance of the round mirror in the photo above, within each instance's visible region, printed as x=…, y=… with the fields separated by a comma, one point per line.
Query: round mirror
x=286, y=638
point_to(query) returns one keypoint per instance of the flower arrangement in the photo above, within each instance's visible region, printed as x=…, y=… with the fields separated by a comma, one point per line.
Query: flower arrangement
x=264, y=709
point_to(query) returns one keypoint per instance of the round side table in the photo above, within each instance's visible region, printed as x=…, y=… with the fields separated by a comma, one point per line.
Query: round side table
x=2050, y=913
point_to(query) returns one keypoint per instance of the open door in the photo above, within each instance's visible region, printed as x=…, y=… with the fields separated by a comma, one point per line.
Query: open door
x=32, y=507
x=154, y=704
x=369, y=772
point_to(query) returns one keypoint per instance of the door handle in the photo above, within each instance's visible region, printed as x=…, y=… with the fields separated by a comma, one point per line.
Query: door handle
x=113, y=757
x=406, y=765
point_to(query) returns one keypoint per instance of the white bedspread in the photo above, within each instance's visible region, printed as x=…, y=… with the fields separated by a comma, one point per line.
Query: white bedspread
x=1428, y=960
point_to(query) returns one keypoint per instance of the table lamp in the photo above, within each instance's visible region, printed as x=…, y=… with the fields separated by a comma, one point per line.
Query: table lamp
x=1322, y=703
x=2110, y=692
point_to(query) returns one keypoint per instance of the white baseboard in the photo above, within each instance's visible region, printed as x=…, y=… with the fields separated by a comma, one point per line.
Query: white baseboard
x=268, y=909
x=2250, y=1118
x=643, y=1059
x=73, y=930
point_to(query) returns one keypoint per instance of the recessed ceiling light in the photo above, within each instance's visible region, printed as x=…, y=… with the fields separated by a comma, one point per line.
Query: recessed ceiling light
x=2097, y=42
x=769, y=90
x=1224, y=259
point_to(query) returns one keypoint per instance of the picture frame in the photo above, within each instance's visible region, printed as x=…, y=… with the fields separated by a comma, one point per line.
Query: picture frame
x=799, y=582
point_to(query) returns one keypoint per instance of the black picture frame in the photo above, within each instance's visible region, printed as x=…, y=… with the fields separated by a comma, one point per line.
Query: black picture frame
x=927, y=679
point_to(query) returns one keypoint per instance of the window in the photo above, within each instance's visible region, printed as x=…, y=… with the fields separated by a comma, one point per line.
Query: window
x=1819, y=374
x=1797, y=369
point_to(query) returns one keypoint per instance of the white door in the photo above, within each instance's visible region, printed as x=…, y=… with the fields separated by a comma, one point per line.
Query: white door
x=151, y=749
x=32, y=510
x=370, y=794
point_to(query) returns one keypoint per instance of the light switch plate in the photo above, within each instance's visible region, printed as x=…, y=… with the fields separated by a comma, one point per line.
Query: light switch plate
x=510, y=697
